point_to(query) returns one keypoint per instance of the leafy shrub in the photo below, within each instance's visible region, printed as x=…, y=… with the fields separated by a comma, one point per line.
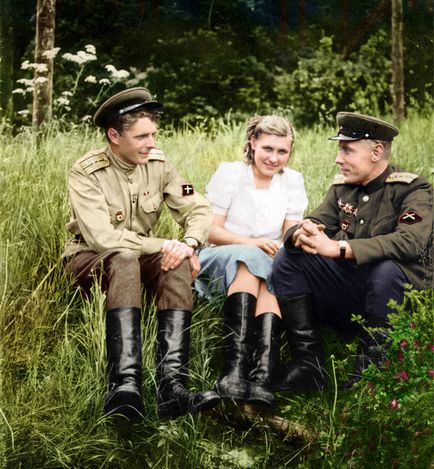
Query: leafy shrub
x=389, y=416
x=326, y=83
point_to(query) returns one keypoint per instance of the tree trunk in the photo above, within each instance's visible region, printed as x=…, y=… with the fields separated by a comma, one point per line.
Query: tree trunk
x=302, y=23
x=398, y=103
x=357, y=36
x=7, y=58
x=155, y=10
x=43, y=92
x=283, y=20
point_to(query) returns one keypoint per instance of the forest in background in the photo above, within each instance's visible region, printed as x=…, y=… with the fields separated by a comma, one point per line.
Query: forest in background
x=206, y=58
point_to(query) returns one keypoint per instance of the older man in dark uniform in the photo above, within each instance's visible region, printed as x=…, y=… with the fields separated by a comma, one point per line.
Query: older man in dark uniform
x=116, y=196
x=371, y=235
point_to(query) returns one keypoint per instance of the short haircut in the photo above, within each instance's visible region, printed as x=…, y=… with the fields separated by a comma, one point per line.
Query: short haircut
x=124, y=122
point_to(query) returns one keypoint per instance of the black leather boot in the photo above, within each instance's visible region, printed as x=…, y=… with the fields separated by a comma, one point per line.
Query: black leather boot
x=238, y=311
x=266, y=349
x=124, y=359
x=173, y=340
x=306, y=370
x=371, y=349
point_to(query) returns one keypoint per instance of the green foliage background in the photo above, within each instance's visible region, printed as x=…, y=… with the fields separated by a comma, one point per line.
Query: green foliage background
x=206, y=58
x=52, y=380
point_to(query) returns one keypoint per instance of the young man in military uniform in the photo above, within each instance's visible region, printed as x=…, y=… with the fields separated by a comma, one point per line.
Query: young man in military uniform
x=371, y=235
x=116, y=196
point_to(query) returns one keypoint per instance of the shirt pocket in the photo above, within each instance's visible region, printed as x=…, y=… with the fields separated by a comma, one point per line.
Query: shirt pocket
x=152, y=203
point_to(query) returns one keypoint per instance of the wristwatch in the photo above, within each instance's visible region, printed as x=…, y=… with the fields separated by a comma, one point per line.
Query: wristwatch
x=192, y=242
x=342, y=248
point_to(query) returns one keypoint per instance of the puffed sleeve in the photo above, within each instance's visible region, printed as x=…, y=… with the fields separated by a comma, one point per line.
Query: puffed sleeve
x=297, y=197
x=221, y=186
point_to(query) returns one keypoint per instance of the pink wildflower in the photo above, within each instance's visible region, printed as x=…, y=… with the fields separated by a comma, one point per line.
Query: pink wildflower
x=413, y=325
x=402, y=375
x=400, y=356
x=394, y=404
x=431, y=347
x=431, y=373
x=403, y=344
x=416, y=344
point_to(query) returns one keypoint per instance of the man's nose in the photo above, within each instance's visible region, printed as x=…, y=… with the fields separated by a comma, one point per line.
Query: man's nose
x=339, y=159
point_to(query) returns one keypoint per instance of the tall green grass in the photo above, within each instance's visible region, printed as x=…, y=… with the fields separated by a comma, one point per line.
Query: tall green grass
x=52, y=355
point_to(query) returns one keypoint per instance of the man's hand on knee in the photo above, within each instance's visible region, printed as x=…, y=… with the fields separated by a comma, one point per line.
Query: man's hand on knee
x=174, y=252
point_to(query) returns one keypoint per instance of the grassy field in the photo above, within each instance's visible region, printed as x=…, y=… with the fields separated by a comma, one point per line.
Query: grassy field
x=52, y=354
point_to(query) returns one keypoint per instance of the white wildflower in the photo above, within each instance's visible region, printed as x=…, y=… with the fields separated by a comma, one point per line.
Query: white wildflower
x=85, y=56
x=25, y=81
x=80, y=58
x=90, y=79
x=51, y=53
x=86, y=118
x=26, y=65
x=90, y=48
x=24, y=112
x=41, y=80
x=62, y=101
x=18, y=91
x=66, y=93
x=104, y=81
x=119, y=74
x=41, y=68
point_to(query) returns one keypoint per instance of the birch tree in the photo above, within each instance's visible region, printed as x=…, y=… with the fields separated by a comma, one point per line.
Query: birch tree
x=44, y=43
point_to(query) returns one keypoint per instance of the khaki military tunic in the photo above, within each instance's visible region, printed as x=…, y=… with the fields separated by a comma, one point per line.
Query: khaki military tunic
x=389, y=218
x=116, y=205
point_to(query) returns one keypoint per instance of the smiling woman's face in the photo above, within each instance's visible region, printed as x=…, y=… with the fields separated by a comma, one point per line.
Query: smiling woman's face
x=271, y=154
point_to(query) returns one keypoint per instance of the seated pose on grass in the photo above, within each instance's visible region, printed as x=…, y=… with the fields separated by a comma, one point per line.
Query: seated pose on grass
x=254, y=203
x=371, y=235
x=116, y=195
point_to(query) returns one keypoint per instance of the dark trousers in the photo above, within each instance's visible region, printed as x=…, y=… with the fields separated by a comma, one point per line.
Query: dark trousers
x=123, y=273
x=340, y=287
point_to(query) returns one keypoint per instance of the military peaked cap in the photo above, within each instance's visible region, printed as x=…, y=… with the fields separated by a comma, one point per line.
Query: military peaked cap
x=130, y=100
x=354, y=126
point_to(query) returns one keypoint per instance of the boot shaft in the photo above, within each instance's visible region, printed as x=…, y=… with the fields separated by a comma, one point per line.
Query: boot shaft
x=173, y=341
x=238, y=314
x=267, y=329
x=124, y=345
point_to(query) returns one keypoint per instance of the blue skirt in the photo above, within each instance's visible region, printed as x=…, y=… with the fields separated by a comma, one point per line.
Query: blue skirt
x=219, y=266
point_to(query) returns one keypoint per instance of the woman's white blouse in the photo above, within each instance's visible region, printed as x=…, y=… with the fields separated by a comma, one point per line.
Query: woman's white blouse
x=256, y=212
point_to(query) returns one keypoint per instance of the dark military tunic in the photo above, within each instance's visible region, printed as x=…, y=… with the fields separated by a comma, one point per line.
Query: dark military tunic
x=388, y=219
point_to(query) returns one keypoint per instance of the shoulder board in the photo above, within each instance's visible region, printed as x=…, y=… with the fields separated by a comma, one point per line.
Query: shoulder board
x=401, y=177
x=93, y=161
x=338, y=179
x=157, y=154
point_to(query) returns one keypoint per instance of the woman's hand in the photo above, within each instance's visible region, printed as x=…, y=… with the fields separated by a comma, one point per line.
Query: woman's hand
x=269, y=246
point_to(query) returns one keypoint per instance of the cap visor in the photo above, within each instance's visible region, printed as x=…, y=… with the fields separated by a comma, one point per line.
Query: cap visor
x=344, y=137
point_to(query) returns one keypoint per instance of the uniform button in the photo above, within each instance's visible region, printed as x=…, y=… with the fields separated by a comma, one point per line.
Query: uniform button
x=365, y=198
x=362, y=222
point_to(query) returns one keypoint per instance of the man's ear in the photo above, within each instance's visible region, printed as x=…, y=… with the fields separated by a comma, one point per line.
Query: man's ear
x=377, y=152
x=113, y=135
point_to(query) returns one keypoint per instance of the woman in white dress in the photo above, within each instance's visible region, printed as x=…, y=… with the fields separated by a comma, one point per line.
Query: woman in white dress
x=254, y=202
